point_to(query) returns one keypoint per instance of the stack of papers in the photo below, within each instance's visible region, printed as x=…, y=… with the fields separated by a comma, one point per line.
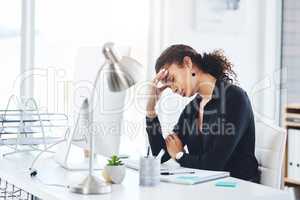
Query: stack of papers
x=186, y=176
x=199, y=176
x=29, y=141
x=165, y=167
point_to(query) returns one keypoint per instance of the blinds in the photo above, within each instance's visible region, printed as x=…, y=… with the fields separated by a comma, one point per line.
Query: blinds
x=291, y=48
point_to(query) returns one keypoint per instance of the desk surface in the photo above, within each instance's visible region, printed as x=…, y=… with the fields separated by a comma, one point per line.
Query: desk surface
x=14, y=169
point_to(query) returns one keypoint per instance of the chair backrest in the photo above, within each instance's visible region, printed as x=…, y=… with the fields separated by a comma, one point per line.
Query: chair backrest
x=269, y=151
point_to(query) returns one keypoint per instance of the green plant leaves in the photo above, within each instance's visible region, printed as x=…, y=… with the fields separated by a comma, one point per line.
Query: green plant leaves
x=114, y=161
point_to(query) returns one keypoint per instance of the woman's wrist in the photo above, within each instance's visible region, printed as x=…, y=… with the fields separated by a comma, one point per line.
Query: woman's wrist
x=150, y=108
x=179, y=155
x=151, y=114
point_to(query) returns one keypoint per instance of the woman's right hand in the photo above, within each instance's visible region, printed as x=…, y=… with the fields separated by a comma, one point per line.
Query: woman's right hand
x=158, y=84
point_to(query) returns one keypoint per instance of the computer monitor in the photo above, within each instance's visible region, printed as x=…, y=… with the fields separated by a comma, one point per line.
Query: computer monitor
x=107, y=111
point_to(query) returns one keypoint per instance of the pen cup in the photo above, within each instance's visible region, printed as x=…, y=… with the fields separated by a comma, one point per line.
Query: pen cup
x=149, y=174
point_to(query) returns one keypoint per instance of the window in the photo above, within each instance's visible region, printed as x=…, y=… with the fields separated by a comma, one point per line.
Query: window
x=291, y=51
x=10, y=24
x=66, y=28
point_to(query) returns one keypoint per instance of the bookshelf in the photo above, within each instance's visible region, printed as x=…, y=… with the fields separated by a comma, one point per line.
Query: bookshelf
x=291, y=120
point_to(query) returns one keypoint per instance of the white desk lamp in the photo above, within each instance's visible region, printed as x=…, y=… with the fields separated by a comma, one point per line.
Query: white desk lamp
x=123, y=73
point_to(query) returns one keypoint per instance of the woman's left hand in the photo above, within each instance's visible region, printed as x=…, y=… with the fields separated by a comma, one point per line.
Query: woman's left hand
x=174, y=145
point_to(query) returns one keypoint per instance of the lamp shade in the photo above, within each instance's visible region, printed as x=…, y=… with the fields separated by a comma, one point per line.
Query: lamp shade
x=123, y=72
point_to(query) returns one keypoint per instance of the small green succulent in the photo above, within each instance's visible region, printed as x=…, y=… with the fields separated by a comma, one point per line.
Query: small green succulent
x=114, y=161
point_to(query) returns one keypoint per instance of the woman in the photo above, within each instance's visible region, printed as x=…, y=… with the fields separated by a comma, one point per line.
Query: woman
x=217, y=126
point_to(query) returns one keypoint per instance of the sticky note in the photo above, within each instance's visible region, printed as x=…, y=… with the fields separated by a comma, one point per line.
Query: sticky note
x=190, y=180
x=226, y=184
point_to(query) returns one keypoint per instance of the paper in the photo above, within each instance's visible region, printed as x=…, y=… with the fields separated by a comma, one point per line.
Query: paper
x=291, y=154
x=200, y=176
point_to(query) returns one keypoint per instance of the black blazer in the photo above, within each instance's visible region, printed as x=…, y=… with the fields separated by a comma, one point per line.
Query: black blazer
x=227, y=139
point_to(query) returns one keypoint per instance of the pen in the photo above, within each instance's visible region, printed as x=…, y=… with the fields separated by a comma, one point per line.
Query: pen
x=174, y=173
x=148, y=151
x=161, y=153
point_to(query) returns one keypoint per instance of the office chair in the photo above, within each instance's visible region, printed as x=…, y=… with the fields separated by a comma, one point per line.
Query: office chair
x=269, y=151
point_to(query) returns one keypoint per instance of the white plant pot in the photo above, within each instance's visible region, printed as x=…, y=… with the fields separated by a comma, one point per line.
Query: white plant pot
x=115, y=173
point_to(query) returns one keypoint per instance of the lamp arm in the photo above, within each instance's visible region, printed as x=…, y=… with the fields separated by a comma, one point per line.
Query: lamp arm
x=91, y=118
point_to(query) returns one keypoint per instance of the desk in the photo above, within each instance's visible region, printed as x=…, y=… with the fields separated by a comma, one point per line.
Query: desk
x=14, y=169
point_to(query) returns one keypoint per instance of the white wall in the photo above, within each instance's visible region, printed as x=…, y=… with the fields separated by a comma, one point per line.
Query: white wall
x=254, y=50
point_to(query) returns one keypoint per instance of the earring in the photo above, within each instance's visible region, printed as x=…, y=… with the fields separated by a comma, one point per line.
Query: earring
x=193, y=74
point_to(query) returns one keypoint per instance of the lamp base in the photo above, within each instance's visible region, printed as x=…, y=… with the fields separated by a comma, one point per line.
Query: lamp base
x=91, y=185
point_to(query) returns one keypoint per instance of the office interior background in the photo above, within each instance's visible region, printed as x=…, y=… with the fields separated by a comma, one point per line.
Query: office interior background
x=42, y=44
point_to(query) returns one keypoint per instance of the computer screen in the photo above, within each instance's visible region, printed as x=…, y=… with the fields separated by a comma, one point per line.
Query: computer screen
x=108, y=106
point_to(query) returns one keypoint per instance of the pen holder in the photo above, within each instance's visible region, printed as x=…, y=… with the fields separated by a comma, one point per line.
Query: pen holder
x=149, y=171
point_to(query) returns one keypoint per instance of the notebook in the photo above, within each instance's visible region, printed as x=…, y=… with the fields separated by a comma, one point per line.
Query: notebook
x=167, y=166
x=199, y=176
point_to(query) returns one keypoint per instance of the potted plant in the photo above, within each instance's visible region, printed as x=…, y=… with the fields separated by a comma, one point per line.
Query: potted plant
x=114, y=171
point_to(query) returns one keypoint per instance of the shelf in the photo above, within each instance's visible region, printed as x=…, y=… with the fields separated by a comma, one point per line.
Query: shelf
x=292, y=111
x=292, y=125
x=291, y=181
x=30, y=141
x=293, y=106
x=24, y=121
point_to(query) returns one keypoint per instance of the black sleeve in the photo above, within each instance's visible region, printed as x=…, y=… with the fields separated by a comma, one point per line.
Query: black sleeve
x=156, y=140
x=238, y=114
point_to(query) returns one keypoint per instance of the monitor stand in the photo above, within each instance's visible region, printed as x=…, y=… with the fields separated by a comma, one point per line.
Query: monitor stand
x=74, y=160
x=71, y=157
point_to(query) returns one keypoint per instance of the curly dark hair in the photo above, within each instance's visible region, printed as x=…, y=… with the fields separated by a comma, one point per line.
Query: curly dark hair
x=214, y=63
